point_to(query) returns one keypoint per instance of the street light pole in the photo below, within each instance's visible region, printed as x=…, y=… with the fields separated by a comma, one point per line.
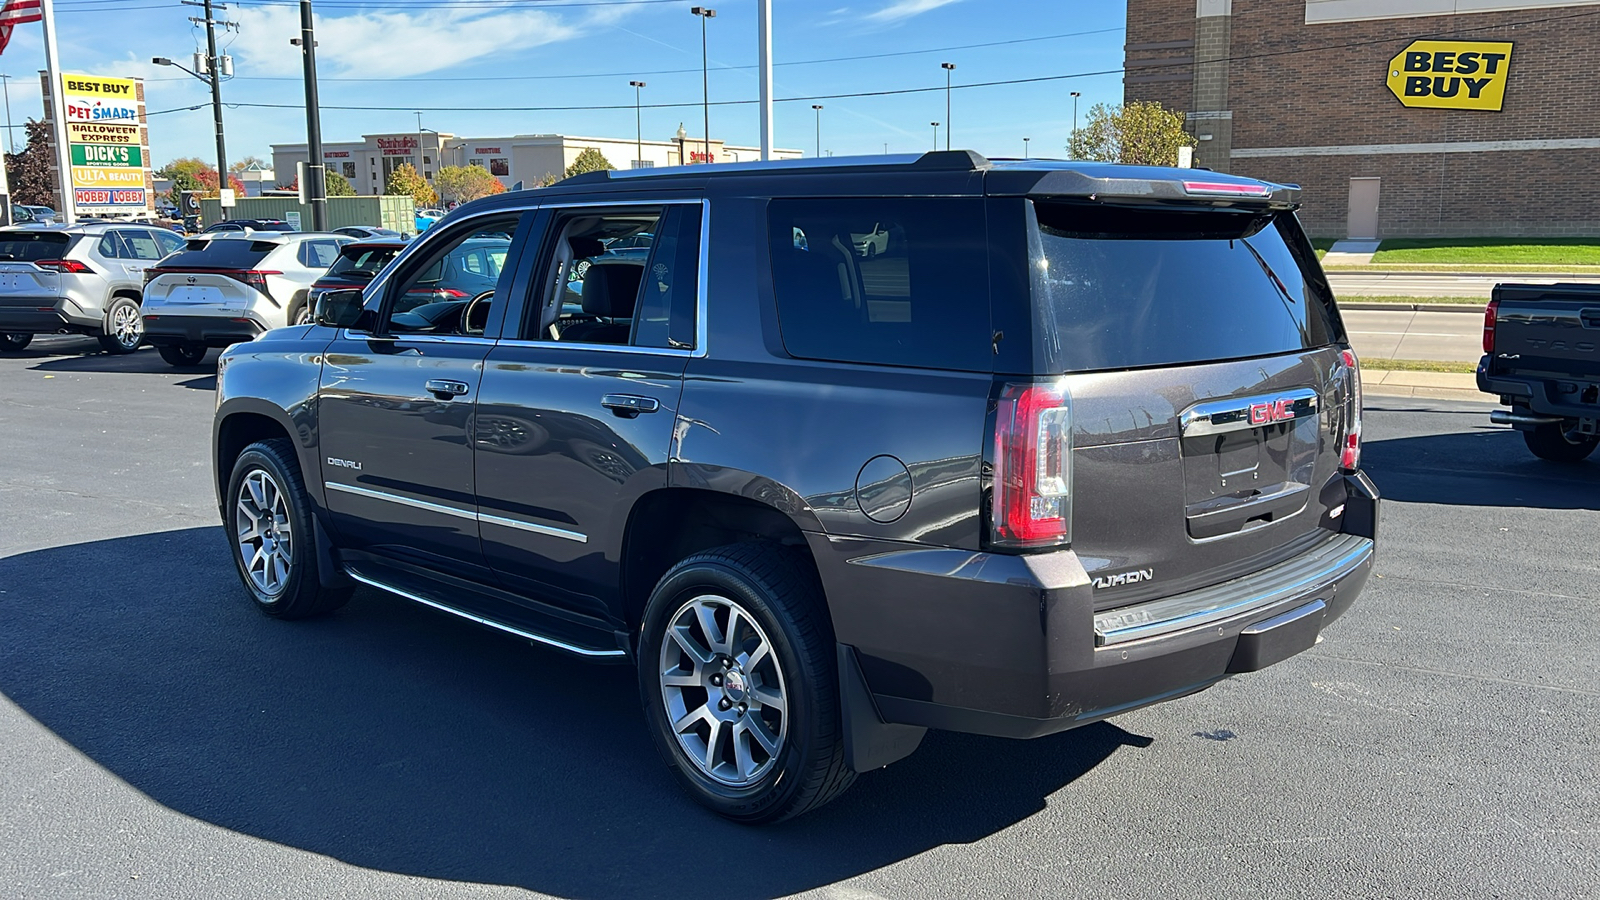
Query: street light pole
x=11, y=142
x=764, y=62
x=935, y=135
x=638, y=125
x=316, y=186
x=705, y=13
x=1075, y=96
x=818, y=108
x=948, y=68
x=1025, y=147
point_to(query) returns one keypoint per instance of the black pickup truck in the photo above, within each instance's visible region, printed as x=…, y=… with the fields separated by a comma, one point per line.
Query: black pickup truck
x=1541, y=345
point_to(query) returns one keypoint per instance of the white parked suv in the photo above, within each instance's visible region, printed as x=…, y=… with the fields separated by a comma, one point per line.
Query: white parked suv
x=81, y=279
x=225, y=288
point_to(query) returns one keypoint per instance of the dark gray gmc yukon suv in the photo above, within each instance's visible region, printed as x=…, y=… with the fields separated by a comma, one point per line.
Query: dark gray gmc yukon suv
x=858, y=448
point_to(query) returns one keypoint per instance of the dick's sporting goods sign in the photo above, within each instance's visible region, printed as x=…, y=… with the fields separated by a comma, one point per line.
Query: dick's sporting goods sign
x=1451, y=74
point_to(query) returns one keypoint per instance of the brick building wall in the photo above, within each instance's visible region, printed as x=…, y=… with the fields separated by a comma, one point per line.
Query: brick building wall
x=1309, y=104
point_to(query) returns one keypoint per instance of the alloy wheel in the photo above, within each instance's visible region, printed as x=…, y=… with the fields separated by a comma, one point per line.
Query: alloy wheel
x=263, y=531
x=724, y=691
x=127, y=326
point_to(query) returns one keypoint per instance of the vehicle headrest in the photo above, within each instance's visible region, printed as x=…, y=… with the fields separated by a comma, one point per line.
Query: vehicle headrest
x=585, y=247
x=611, y=290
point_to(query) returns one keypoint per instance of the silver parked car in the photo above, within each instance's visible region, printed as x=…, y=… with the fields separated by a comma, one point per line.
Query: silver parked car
x=80, y=279
x=227, y=287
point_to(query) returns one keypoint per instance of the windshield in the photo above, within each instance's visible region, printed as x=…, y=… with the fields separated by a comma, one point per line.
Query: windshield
x=1130, y=287
x=363, y=264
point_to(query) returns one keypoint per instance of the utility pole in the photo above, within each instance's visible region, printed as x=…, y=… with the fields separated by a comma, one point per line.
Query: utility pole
x=935, y=136
x=818, y=108
x=764, y=61
x=705, y=71
x=58, y=114
x=316, y=188
x=638, y=124
x=1025, y=147
x=948, y=68
x=1075, y=96
x=214, y=75
x=11, y=142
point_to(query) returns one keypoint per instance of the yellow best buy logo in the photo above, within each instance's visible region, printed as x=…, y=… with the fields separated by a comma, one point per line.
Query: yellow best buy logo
x=1451, y=74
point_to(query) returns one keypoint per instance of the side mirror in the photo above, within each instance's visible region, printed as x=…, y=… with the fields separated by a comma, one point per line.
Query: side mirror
x=342, y=309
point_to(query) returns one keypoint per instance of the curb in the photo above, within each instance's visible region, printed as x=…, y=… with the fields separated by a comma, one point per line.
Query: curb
x=1426, y=393
x=1414, y=307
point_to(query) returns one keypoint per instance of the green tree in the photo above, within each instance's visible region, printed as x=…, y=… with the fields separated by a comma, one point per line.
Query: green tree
x=189, y=173
x=240, y=165
x=1139, y=133
x=336, y=185
x=590, y=160
x=405, y=180
x=28, y=172
x=467, y=183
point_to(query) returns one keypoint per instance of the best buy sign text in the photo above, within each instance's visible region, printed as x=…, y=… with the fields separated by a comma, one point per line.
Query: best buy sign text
x=1451, y=74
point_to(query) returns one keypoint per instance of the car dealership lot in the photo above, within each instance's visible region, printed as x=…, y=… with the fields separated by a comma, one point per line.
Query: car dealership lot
x=159, y=738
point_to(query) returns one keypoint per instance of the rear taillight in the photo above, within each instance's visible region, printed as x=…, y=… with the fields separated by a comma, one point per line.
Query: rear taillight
x=68, y=266
x=1489, y=314
x=1032, y=505
x=152, y=273
x=438, y=293
x=1350, y=442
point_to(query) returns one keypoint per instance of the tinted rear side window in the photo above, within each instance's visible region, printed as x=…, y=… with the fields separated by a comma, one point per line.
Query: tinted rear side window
x=27, y=247
x=223, y=253
x=362, y=263
x=1119, y=287
x=889, y=281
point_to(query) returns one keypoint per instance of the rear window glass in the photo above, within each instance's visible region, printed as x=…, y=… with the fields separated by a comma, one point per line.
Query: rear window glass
x=27, y=247
x=222, y=253
x=1119, y=287
x=364, y=264
x=889, y=281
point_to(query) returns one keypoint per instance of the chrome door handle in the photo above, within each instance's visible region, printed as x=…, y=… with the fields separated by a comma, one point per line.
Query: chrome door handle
x=629, y=406
x=444, y=389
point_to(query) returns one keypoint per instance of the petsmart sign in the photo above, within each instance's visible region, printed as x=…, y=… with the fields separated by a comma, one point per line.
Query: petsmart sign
x=1451, y=74
x=110, y=165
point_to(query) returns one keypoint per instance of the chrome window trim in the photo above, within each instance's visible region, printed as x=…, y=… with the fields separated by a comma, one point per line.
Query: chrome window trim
x=1233, y=414
x=1334, y=559
x=346, y=334
x=498, y=626
x=534, y=527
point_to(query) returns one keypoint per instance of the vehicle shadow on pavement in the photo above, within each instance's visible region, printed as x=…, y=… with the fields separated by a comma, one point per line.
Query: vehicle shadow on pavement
x=1430, y=469
x=145, y=360
x=396, y=738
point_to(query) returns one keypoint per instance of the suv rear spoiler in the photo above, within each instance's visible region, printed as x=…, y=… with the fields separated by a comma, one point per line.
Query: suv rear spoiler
x=1128, y=183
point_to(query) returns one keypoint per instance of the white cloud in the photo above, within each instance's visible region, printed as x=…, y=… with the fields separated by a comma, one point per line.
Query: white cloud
x=391, y=44
x=905, y=9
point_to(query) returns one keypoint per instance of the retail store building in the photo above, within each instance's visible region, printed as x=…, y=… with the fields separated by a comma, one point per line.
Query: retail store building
x=1398, y=117
x=531, y=159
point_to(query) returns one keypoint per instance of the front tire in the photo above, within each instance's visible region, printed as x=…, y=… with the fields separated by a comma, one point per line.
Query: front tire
x=124, y=327
x=737, y=676
x=11, y=343
x=272, y=535
x=1553, y=442
x=183, y=356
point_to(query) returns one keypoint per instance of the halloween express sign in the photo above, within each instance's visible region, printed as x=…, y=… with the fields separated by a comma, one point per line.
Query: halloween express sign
x=1451, y=74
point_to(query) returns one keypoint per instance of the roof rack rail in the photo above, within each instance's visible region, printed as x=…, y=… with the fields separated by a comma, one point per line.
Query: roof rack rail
x=968, y=160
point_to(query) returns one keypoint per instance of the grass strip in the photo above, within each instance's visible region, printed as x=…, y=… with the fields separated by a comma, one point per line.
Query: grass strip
x=1418, y=365
x=1490, y=251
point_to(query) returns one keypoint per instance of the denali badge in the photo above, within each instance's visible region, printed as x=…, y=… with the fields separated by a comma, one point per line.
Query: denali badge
x=1122, y=578
x=344, y=463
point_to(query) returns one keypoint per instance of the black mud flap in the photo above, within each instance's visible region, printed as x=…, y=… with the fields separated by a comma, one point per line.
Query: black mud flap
x=869, y=742
x=1278, y=638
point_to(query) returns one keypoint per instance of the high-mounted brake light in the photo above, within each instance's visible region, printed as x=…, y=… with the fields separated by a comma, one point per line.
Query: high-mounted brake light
x=68, y=266
x=1225, y=188
x=1032, y=505
x=1350, y=445
x=1490, y=312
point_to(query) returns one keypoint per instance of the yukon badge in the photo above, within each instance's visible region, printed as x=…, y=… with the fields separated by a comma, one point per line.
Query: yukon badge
x=1122, y=578
x=344, y=463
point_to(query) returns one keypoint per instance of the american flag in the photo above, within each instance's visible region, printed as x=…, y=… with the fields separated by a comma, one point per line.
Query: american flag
x=14, y=13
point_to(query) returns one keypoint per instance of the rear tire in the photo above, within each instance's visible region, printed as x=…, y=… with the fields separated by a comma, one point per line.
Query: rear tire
x=270, y=529
x=1551, y=442
x=183, y=356
x=11, y=343
x=746, y=715
x=124, y=327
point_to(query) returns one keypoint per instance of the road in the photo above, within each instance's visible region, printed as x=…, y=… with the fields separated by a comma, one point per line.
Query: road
x=1418, y=284
x=1404, y=334
x=160, y=739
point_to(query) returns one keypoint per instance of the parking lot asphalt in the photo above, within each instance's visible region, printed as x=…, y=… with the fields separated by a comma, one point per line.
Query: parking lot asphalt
x=159, y=738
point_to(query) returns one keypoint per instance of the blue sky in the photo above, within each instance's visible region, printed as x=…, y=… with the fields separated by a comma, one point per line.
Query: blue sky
x=452, y=56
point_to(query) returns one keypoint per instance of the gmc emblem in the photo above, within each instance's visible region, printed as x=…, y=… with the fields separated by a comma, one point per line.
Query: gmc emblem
x=1272, y=411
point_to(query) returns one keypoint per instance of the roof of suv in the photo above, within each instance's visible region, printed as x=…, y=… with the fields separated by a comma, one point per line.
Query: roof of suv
x=80, y=228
